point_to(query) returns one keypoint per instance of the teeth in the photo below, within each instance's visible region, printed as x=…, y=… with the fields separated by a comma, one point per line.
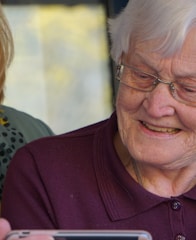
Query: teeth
x=159, y=129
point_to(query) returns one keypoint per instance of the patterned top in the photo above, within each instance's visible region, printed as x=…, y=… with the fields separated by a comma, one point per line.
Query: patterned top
x=16, y=129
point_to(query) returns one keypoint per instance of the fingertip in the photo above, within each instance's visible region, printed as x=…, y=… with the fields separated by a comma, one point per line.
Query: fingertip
x=4, y=228
x=4, y=224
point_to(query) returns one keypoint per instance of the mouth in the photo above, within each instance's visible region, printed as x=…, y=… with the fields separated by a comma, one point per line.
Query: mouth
x=161, y=129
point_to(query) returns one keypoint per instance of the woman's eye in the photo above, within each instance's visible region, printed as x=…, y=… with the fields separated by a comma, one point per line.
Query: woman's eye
x=188, y=89
x=143, y=76
x=191, y=90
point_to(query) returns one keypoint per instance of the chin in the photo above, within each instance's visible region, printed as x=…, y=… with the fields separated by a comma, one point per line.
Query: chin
x=155, y=156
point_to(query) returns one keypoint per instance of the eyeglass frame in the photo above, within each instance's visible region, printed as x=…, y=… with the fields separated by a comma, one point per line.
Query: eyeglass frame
x=157, y=80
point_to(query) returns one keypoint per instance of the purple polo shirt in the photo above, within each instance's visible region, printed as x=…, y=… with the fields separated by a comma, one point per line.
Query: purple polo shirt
x=77, y=181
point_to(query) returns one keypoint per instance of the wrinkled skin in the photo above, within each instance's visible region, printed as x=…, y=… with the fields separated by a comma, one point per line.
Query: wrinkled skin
x=155, y=129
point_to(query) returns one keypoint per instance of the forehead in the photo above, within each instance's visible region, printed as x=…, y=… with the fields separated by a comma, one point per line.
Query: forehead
x=145, y=53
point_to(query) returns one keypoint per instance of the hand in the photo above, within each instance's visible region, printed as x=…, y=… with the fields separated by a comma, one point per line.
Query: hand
x=5, y=229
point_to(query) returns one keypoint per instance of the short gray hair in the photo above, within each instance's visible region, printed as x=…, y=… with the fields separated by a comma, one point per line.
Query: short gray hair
x=168, y=20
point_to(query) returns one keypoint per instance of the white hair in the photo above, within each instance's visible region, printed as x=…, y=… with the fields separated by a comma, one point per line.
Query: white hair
x=168, y=20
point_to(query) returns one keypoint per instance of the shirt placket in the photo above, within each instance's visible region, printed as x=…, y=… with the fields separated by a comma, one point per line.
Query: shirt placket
x=176, y=218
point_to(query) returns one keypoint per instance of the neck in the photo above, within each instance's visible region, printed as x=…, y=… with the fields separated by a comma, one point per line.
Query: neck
x=164, y=182
x=158, y=180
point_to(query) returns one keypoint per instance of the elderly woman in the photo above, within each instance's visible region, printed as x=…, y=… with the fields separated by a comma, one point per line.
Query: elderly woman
x=136, y=170
x=16, y=128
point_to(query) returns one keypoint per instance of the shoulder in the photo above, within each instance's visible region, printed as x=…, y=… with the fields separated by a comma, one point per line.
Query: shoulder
x=65, y=152
x=77, y=137
x=17, y=114
x=57, y=153
x=70, y=144
x=30, y=126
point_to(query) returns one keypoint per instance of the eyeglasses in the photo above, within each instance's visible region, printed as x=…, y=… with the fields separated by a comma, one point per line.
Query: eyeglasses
x=183, y=90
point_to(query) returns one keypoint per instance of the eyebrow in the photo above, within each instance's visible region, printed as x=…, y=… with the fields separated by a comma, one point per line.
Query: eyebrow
x=142, y=60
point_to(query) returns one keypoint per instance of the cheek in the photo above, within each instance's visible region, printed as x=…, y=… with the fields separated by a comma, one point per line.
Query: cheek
x=128, y=103
x=128, y=99
x=187, y=117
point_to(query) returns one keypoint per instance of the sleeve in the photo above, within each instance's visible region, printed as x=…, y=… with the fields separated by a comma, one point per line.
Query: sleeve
x=25, y=202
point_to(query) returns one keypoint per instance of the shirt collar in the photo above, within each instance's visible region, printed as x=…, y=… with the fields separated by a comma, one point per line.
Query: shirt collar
x=120, y=193
x=122, y=196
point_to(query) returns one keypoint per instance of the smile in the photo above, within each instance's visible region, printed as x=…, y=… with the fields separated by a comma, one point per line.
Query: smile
x=161, y=129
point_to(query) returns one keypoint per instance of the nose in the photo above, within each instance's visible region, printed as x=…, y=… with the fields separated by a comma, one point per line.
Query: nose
x=159, y=102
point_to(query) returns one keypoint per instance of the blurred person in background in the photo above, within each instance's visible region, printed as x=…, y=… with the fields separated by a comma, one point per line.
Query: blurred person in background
x=16, y=127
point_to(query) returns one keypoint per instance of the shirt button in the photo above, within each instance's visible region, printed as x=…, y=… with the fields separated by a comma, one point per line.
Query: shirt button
x=180, y=237
x=176, y=205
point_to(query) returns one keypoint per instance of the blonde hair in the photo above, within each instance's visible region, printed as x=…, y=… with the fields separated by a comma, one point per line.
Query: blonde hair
x=166, y=20
x=6, y=50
